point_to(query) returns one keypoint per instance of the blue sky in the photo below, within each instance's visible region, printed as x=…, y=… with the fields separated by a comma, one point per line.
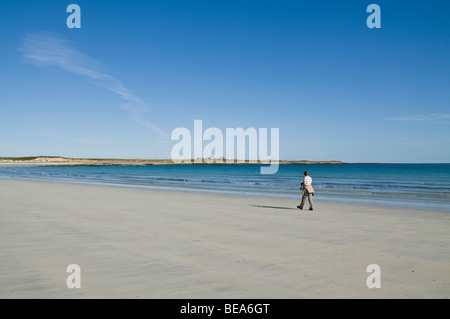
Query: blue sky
x=137, y=70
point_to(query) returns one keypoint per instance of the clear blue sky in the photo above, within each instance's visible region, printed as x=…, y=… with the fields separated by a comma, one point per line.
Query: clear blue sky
x=136, y=70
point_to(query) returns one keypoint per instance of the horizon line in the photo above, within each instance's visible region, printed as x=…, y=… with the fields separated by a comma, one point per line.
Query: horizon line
x=281, y=161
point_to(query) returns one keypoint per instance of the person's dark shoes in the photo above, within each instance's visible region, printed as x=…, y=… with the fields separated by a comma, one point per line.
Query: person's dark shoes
x=310, y=209
x=299, y=207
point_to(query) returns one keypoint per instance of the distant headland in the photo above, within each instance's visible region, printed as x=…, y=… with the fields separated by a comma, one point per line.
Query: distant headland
x=61, y=161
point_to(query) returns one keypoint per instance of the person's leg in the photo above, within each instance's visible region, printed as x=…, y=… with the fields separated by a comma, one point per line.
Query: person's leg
x=303, y=201
x=310, y=201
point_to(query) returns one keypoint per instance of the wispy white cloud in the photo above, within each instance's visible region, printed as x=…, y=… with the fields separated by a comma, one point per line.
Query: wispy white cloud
x=49, y=49
x=423, y=117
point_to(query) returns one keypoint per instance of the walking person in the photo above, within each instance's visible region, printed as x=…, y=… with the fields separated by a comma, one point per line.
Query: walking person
x=307, y=191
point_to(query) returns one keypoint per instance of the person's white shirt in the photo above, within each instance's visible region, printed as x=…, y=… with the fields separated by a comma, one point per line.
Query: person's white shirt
x=307, y=180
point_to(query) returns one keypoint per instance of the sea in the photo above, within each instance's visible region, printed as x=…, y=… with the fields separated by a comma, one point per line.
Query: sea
x=422, y=186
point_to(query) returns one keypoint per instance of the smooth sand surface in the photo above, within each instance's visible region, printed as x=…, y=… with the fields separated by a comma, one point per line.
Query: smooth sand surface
x=140, y=243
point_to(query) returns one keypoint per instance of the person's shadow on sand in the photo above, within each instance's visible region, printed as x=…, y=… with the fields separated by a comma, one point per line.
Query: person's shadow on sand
x=276, y=207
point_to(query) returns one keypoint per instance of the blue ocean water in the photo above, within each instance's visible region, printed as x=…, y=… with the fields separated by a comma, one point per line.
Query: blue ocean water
x=401, y=185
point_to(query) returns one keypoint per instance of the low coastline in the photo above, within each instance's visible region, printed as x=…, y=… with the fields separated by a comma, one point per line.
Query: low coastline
x=140, y=243
x=65, y=161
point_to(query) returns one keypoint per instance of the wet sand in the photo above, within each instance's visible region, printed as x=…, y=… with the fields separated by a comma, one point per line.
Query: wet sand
x=140, y=243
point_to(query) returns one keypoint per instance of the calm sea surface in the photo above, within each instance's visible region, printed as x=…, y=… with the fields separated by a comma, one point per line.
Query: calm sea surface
x=424, y=186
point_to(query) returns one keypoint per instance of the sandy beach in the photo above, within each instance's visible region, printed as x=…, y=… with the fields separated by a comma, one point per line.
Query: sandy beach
x=140, y=243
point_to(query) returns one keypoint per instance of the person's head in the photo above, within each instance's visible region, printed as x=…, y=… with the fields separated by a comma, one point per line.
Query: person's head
x=306, y=173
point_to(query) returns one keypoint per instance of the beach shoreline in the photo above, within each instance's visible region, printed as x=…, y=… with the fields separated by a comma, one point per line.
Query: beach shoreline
x=141, y=243
x=383, y=203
